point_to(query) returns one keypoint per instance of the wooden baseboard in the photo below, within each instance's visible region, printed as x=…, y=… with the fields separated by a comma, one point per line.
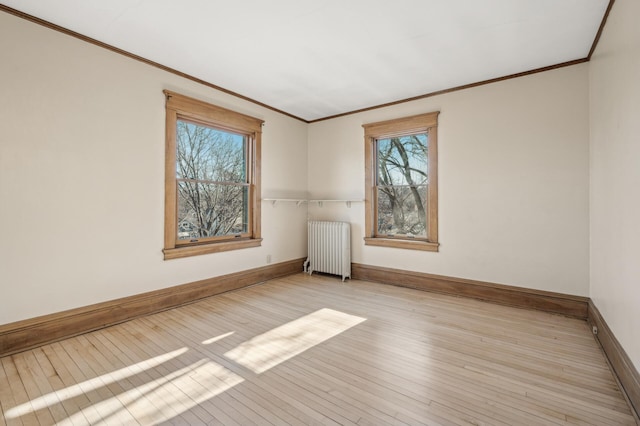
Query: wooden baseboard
x=558, y=303
x=621, y=365
x=27, y=334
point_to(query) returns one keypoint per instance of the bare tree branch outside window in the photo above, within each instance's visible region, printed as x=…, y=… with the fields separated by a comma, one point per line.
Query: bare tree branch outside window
x=402, y=185
x=212, y=182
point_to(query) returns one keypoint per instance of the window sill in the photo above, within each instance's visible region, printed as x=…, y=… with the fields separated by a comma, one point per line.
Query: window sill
x=405, y=244
x=196, y=250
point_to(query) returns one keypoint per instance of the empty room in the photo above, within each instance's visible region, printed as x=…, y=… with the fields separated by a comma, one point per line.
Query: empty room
x=320, y=212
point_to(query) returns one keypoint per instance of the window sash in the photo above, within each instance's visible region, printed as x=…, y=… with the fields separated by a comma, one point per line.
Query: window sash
x=246, y=205
x=417, y=164
x=179, y=107
x=423, y=234
x=201, y=219
x=402, y=127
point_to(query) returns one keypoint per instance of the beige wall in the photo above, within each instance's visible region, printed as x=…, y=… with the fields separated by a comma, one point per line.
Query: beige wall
x=82, y=176
x=513, y=181
x=615, y=175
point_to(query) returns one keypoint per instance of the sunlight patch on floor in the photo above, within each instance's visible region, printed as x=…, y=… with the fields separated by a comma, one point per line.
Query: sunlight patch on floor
x=164, y=398
x=282, y=343
x=215, y=339
x=57, y=397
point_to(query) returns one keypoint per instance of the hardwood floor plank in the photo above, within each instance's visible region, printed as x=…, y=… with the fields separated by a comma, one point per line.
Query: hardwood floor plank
x=42, y=386
x=57, y=388
x=172, y=323
x=134, y=401
x=20, y=397
x=61, y=382
x=80, y=383
x=282, y=382
x=150, y=376
x=320, y=396
x=64, y=385
x=149, y=343
x=6, y=399
x=110, y=408
x=43, y=415
x=248, y=314
x=303, y=350
x=138, y=376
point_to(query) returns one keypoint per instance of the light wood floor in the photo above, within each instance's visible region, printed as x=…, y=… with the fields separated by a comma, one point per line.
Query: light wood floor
x=311, y=350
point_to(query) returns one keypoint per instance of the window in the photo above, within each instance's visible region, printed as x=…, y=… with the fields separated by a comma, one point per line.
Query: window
x=212, y=181
x=401, y=193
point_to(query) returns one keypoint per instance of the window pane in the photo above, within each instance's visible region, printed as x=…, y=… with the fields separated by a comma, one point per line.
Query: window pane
x=205, y=153
x=401, y=210
x=209, y=210
x=402, y=160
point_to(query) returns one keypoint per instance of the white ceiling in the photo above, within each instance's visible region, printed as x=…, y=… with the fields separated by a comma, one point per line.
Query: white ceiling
x=318, y=58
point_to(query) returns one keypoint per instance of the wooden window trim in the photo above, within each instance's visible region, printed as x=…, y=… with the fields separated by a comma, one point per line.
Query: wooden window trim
x=182, y=107
x=392, y=128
